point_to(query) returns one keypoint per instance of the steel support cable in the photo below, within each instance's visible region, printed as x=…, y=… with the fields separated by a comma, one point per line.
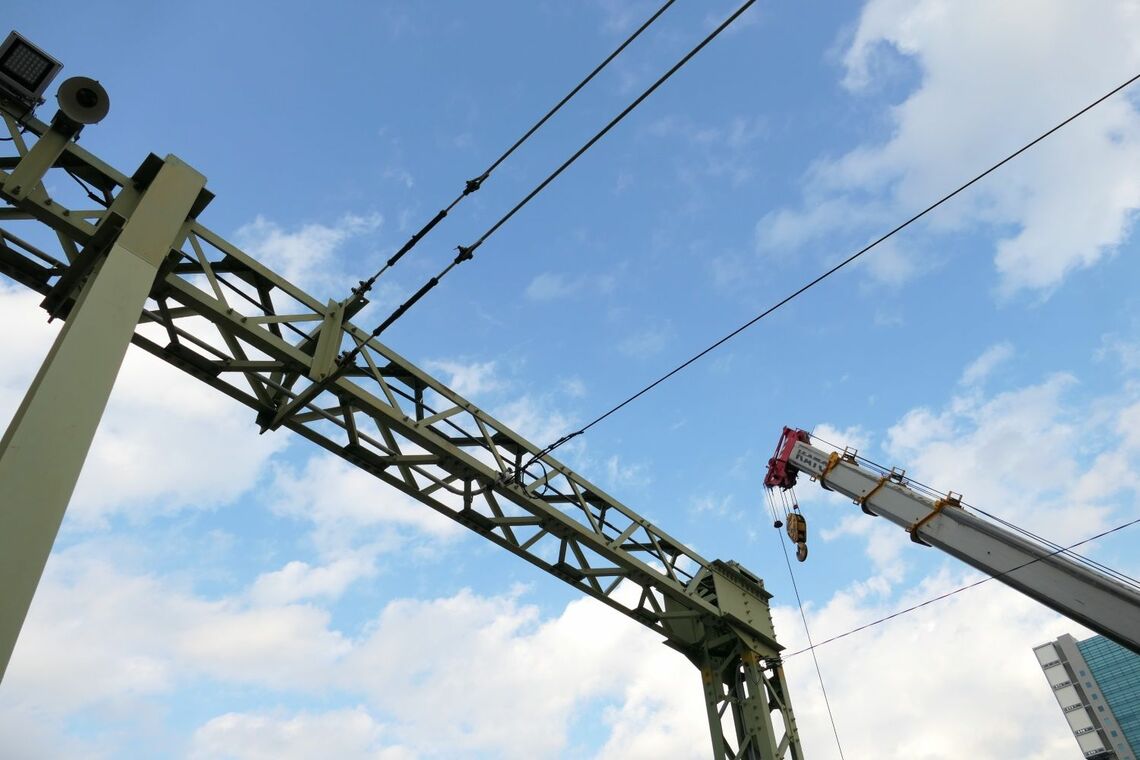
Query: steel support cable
x=467, y=252
x=959, y=590
x=837, y=267
x=811, y=647
x=1124, y=578
x=474, y=184
x=934, y=493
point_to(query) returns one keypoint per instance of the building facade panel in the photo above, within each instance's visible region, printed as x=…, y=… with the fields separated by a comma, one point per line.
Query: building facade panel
x=1097, y=686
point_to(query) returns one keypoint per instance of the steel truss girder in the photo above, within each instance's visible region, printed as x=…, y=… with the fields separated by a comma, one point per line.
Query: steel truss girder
x=225, y=318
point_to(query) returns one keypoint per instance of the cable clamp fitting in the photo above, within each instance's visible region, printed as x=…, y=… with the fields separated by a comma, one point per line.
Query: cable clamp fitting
x=466, y=253
x=474, y=184
x=951, y=500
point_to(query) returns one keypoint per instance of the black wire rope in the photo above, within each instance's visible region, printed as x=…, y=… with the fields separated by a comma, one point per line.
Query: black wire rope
x=1089, y=561
x=474, y=184
x=807, y=632
x=934, y=493
x=948, y=594
x=467, y=252
x=836, y=268
x=590, y=143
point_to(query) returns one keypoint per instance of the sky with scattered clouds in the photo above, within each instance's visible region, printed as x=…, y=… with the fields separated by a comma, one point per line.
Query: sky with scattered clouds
x=216, y=593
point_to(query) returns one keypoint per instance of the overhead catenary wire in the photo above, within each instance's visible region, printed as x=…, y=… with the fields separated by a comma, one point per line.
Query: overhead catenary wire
x=473, y=185
x=467, y=252
x=996, y=576
x=853, y=257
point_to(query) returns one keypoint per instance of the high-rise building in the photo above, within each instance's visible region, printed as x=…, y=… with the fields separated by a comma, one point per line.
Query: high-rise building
x=1097, y=684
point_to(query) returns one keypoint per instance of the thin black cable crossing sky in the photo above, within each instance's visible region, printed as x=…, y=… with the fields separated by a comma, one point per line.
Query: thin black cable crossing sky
x=833, y=270
x=807, y=633
x=473, y=185
x=948, y=594
x=1124, y=578
x=467, y=252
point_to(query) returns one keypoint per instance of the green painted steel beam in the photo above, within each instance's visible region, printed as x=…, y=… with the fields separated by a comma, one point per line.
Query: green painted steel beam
x=218, y=307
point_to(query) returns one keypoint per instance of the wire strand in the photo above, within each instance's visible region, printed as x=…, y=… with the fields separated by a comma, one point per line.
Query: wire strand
x=807, y=632
x=473, y=185
x=467, y=252
x=934, y=493
x=613, y=122
x=837, y=267
x=948, y=594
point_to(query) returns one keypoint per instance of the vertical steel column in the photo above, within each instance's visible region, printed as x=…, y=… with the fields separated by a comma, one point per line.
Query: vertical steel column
x=737, y=686
x=714, y=696
x=42, y=452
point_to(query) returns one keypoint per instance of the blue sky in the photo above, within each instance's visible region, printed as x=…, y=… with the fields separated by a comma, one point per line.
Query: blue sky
x=216, y=593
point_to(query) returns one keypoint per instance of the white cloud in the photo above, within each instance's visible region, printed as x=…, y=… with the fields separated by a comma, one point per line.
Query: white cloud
x=27, y=338
x=552, y=286
x=299, y=580
x=466, y=665
x=1126, y=352
x=1063, y=206
x=882, y=545
x=726, y=150
x=403, y=176
x=646, y=342
x=979, y=369
x=353, y=512
x=968, y=657
x=621, y=474
x=830, y=437
x=539, y=422
x=305, y=256
x=348, y=734
x=574, y=387
x=467, y=379
x=444, y=677
x=1019, y=454
x=166, y=441
x=97, y=635
x=548, y=286
x=620, y=16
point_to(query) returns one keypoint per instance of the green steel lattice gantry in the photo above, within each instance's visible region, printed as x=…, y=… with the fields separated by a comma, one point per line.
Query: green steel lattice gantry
x=141, y=268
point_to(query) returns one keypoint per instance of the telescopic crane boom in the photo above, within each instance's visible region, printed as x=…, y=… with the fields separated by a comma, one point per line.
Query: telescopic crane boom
x=1046, y=574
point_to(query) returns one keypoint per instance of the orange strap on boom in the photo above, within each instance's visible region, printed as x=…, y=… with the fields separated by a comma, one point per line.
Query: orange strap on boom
x=831, y=462
x=952, y=500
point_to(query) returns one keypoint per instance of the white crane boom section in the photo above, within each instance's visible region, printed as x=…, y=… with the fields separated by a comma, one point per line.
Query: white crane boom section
x=1075, y=590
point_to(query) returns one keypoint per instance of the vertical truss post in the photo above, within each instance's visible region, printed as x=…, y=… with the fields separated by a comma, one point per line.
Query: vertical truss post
x=746, y=696
x=43, y=449
x=749, y=690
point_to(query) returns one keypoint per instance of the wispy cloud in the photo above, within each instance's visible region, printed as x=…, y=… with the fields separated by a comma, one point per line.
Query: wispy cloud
x=468, y=379
x=552, y=286
x=979, y=369
x=648, y=341
x=725, y=150
x=1047, y=227
x=307, y=254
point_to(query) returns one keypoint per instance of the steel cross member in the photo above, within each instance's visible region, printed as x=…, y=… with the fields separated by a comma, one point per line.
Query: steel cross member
x=225, y=318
